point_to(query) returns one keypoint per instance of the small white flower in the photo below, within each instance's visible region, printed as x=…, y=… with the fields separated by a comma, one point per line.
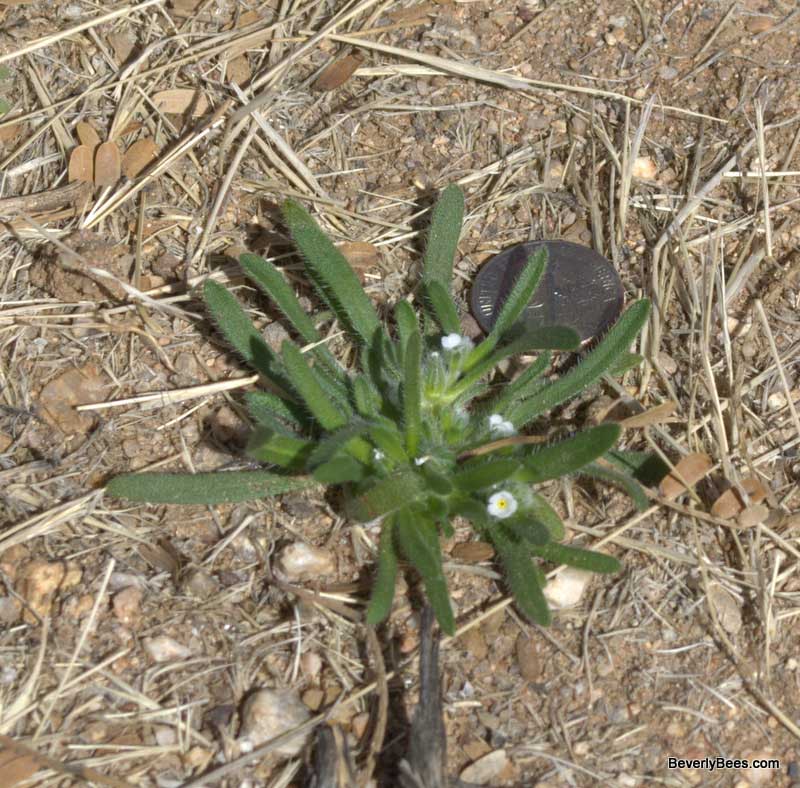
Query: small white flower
x=377, y=455
x=435, y=354
x=421, y=460
x=500, y=426
x=502, y=504
x=456, y=342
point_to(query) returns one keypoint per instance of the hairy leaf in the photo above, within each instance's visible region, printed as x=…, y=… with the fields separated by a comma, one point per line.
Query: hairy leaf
x=446, y=221
x=418, y=540
x=524, y=578
x=330, y=272
x=412, y=392
x=340, y=470
x=406, y=320
x=440, y=304
x=588, y=560
x=613, y=345
x=570, y=455
x=204, y=488
x=266, y=445
x=386, y=495
x=527, y=529
x=619, y=479
x=265, y=408
x=483, y=474
x=380, y=603
x=541, y=510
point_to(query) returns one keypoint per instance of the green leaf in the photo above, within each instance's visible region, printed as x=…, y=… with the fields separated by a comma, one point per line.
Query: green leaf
x=646, y=467
x=624, y=363
x=5, y=107
x=266, y=445
x=441, y=305
x=523, y=386
x=418, y=540
x=588, y=560
x=517, y=300
x=265, y=407
x=406, y=320
x=446, y=221
x=307, y=385
x=541, y=510
x=331, y=274
x=412, y=392
x=568, y=456
x=619, y=479
x=438, y=510
x=239, y=330
x=271, y=281
x=524, y=579
x=5, y=72
x=484, y=474
x=389, y=440
x=437, y=482
x=346, y=439
x=613, y=345
x=340, y=470
x=527, y=529
x=204, y=488
x=386, y=495
x=366, y=397
x=380, y=603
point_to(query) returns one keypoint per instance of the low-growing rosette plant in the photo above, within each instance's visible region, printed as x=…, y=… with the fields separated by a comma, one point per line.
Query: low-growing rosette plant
x=423, y=431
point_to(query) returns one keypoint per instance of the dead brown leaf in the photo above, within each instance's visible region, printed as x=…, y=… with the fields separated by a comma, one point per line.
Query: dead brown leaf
x=730, y=503
x=413, y=13
x=87, y=134
x=178, y=101
x=238, y=70
x=360, y=254
x=656, y=415
x=107, y=164
x=472, y=552
x=690, y=469
x=81, y=165
x=123, y=46
x=335, y=74
x=139, y=156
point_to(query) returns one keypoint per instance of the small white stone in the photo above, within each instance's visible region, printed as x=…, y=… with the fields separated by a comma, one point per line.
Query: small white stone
x=567, y=587
x=776, y=401
x=299, y=561
x=165, y=649
x=485, y=769
x=165, y=735
x=269, y=713
x=644, y=167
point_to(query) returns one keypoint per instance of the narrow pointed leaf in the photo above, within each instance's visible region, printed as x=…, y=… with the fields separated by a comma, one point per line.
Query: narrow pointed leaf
x=619, y=479
x=613, y=345
x=588, y=560
x=265, y=408
x=388, y=440
x=440, y=304
x=239, y=330
x=387, y=495
x=412, y=392
x=646, y=467
x=437, y=481
x=306, y=384
x=541, y=510
x=440, y=251
x=204, y=488
x=624, y=363
x=266, y=445
x=347, y=439
x=484, y=474
x=340, y=470
x=380, y=603
x=528, y=529
x=418, y=540
x=331, y=274
x=406, y=320
x=271, y=281
x=517, y=300
x=523, y=386
x=523, y=577
x=570, y=455
x=366, y=397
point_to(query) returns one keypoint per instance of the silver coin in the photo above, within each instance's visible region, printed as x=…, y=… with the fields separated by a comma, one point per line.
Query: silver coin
x=579, y=289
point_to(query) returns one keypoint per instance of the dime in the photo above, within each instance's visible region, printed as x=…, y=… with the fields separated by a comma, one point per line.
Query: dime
x=580, y=288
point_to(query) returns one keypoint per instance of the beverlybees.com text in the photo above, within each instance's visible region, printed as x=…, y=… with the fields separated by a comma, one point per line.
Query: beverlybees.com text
x=720, y=763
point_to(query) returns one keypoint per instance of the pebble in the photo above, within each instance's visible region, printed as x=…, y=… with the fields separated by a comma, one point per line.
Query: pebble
x=10, y=610
x=165, y=735
x=313, y=698
x=485, y=769
x=311, y=665
x=726, y=607
x=758, y=24
x=759, y=776
x=644, y=167
x=359, y=724
x=530, y=666
x=567, y=587
x=200, y=584
x=268, y=713
x=668, y=72
x=776, y=401
x=126, y=606
x=165, y=649
x=38, y=583
x=299, y=561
